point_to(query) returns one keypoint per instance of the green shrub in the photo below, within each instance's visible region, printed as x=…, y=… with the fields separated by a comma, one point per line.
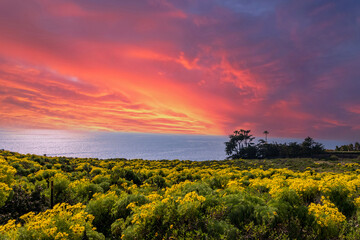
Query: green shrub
x=340, y=196
x=121, y=210
x=100, y=206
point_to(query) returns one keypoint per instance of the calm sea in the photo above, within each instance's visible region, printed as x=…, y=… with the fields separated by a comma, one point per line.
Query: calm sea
x=120, y=145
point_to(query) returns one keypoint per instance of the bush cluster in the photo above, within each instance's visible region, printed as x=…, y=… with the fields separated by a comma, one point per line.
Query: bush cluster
x=240, y=145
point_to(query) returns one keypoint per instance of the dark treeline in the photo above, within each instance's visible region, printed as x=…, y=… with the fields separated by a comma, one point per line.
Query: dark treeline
x=241, y=145
x=349, y=147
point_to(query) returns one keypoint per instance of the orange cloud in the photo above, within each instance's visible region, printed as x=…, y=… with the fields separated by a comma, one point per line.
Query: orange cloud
x=34, y=98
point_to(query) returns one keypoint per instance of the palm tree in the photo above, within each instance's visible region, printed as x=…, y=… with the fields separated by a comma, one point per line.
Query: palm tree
x=266, y=133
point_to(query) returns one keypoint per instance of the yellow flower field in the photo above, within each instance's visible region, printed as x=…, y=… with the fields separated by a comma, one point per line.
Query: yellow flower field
x=140, y=199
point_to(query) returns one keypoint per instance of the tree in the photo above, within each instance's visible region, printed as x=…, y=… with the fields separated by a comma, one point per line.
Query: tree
x=266, y=133
x=240, y=144
x=310, y=147
x=266, y=150
x=357, y=146
x=351, y=147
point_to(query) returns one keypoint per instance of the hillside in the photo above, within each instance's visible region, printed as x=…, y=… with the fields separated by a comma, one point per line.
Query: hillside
x=70, y=198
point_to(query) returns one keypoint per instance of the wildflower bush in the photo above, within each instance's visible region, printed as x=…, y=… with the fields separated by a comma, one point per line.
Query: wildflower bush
x=62, y=222
x=140, y=199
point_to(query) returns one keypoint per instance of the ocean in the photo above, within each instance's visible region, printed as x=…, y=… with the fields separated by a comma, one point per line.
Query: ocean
x=104, y=145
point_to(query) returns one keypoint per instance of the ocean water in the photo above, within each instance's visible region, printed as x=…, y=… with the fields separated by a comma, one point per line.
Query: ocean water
x=105, y=145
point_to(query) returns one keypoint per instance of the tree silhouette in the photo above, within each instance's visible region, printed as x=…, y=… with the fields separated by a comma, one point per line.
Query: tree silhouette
x=266, y=133
x=349, y=147
x=240, y=141
x=310, y=147
x=357, y=146
x=240, y=145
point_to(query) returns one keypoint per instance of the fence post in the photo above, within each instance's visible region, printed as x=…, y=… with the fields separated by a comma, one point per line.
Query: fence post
x=52, y=195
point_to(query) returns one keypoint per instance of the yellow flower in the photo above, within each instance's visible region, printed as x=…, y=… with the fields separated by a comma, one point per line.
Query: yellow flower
x=326, y=213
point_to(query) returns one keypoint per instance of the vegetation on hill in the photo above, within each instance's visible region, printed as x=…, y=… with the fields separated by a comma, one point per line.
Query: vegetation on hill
x=241, y=145
x=350, y=147
x=139, y=199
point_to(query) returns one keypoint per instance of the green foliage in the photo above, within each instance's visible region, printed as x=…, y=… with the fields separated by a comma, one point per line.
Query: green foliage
x=82, y=190
x=22, y=201
x=120, y=208
x=340, y=196
x=101, y=208
x=5, y=191
x=118, y=173
x=61, y=192
x=157, y=181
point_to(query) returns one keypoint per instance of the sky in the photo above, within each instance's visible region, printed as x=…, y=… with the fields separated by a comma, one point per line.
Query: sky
x=182, y=66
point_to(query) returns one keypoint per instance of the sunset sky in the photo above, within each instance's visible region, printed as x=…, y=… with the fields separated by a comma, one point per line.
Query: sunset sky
x=186, y=66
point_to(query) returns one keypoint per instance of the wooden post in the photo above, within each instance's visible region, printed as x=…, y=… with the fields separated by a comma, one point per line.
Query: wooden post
x=52, y=195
